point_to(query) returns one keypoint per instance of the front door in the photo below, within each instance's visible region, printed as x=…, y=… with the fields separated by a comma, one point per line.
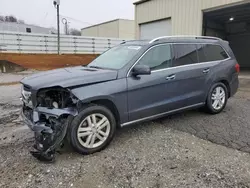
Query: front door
x=148, y=94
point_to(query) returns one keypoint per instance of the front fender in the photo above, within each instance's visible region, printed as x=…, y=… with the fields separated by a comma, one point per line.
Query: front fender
x=114, y=91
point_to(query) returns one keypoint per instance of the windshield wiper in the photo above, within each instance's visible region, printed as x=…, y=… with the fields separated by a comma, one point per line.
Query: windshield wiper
x=96, y=67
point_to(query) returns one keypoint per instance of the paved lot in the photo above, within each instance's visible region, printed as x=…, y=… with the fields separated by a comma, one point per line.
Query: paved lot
x=162, y=153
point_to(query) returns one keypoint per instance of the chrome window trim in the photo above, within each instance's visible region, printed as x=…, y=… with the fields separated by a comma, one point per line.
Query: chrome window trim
x=162, y=114
x=169, y=68
x=189, y=65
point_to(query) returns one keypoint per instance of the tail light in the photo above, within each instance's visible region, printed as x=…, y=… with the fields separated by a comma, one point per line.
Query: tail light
x=237, y=68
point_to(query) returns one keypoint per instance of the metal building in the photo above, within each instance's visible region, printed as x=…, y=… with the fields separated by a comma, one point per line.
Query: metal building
x=227, y=19
x=17, y=27
x=119, y=28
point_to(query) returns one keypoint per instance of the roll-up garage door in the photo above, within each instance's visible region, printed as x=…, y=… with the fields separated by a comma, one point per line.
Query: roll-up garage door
x=155, y=29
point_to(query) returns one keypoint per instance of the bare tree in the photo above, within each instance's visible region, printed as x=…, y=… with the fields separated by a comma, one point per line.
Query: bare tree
x=75, y=32
x=2, y=19
x=10, y=18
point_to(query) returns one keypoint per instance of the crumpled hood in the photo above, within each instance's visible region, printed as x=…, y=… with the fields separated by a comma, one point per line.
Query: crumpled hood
x=68, y=77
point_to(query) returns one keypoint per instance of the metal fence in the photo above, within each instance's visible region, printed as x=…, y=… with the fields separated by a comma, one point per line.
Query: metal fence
x=12, y=42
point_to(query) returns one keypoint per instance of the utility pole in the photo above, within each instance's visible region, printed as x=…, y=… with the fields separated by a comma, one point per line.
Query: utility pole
x=56, y=3
x=66, y=28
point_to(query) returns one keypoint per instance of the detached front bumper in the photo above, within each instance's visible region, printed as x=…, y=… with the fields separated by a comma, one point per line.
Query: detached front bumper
x=50, y=127
x=36, y=127
x=32, y=117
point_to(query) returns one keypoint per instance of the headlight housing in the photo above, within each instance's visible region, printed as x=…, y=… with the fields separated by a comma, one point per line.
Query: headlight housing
x=25, y=94
x=26, y=97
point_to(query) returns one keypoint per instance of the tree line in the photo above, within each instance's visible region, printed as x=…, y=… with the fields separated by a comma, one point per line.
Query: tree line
x=11, y=18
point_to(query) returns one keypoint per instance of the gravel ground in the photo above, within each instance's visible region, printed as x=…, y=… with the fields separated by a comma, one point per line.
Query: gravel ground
x=161, y=153
x=230, y=128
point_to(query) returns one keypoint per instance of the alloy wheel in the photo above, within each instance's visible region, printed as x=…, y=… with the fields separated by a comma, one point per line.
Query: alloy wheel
x=218, y=98
x=93, y=130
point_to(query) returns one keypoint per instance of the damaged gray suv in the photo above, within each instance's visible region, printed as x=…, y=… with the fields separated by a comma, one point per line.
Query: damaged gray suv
x=130, y=83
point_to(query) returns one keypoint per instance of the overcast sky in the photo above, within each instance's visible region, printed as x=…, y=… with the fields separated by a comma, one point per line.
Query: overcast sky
x=80, y=13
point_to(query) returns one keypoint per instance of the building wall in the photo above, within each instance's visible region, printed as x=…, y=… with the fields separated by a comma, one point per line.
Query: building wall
x=121, y=28
x=186, y=15
x=90, y=32
x=126, y=29
x=15, y=27
x=109, y=29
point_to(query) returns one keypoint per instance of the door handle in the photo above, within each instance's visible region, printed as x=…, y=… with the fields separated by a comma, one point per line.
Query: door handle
x=205, y=71
x=170, y=77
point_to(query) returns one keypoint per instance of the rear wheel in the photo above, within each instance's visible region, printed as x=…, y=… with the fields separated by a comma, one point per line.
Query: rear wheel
x=217, y=98
x=92, y=130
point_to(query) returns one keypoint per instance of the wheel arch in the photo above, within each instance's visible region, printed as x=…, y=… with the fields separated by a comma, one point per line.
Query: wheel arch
x=220, y=80
x=108, y=103
x=226, y=83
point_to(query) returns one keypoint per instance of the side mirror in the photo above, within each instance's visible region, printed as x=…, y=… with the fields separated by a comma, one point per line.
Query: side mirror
x=141, y=70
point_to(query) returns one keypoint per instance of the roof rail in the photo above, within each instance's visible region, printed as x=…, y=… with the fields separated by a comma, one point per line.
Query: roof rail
x=184, y=36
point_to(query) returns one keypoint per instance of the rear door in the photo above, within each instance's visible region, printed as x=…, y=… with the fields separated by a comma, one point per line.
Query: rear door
x=211, y=57
x=189, y=76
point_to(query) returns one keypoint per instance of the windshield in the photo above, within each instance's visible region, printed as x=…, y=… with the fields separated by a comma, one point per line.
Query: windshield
x=116, y=57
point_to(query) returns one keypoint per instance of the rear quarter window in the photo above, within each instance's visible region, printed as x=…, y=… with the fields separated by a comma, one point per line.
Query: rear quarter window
x=211, y=52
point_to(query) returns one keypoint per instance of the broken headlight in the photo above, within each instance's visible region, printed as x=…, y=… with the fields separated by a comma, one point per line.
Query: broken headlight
x=26, y=96
x=56, y=97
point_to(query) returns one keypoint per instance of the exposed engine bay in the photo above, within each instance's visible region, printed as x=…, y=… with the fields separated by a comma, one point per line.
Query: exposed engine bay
x=55, y=98
x=49, y=117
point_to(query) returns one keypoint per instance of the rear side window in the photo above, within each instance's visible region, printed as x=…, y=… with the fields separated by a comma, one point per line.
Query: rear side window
x=211, y=52
x=184, y=54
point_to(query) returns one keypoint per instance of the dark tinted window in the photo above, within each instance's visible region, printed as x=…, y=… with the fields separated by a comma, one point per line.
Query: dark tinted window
x=28, y=30
x=201, y=53
x=210, y=52
x=184, y=54
x=158, y=57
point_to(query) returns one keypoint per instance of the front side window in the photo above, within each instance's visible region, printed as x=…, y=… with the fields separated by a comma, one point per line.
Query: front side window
x=159, y=57
x=211, y=52
x=115, y=58
x=184, y=54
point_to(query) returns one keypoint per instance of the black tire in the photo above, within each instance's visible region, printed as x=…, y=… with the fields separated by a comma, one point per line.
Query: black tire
x=209, y=108
x=88, y=110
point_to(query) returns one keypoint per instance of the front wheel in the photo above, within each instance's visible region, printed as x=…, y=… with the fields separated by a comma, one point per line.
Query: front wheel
x=92, y=130
x=217, y=98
